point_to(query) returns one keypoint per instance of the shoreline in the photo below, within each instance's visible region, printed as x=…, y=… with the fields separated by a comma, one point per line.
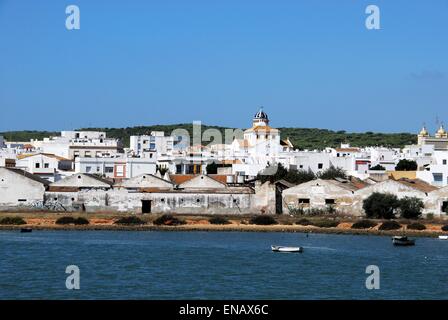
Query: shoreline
x=226, y=228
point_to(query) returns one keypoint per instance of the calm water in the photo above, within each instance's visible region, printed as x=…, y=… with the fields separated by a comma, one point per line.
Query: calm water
x=215, y=265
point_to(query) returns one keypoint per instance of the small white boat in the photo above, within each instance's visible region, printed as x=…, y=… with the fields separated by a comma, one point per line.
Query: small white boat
x=443, y=237
x=286, y=249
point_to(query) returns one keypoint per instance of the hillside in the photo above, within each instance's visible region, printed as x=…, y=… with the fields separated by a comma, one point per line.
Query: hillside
x=302, y=138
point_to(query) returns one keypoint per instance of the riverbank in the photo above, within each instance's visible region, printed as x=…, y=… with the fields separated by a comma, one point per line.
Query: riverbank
x=47, y=221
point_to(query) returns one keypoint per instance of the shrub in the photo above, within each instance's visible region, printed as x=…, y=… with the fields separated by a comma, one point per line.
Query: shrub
x=326, y=223
x=406, y=165
x=168, y=220
x=410, y=207
x=364, y=224
x=445, y=228
x=416, y=226
x=81, y=221
x=72, y=220
x=304, y=222
x=389, y=225
x=131, y=220
x=65, y=220
x=12, y=221
x=430, y=216
x=263, y=220
x=381, y=205
x=332, y=173
x=218, y=220
x=378, y=167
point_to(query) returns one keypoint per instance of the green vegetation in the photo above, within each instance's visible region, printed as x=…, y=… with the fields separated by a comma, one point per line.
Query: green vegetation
x=410, y=207
x=445, y=228
x=263, y=220
x=12, y=221
x=378, y=167
x=406, y=165
x=218, y=220
x=389, y=225
x=131, y=220
x=168, y=220
x=72, y=220
x=279, y=172
x=325, y=223
x=302, y=138
x=332, y=173
x=364, y=224
x=380, y=205
x=304, y=222
x=416, y=226
x=26, y=136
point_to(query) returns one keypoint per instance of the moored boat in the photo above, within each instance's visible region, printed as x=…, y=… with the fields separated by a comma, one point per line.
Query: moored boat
x=443, y=237
x=287, y=249
x=24, y=230
x=402, y=241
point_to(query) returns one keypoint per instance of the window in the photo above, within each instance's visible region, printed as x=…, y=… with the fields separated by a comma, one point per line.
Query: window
x=98, y=169
x=46, y=165
x=304, y=201
x=109, y=169
x=330, y=201
x=444, y=161
x=76, y=154
x=87, y=154
x=98, y=154
x=37, y=165
x=320, y=165
x=88, y=169
x=438, y=177
x=301, y=166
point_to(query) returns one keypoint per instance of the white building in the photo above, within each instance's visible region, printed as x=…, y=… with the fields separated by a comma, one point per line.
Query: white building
x=2, y=142
x=46, y=166
x=120, y=167
x=72, y=144
x=156, y=142
x=20, y=189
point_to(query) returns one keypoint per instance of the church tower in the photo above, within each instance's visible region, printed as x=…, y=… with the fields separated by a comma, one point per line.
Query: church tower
x=260, y=118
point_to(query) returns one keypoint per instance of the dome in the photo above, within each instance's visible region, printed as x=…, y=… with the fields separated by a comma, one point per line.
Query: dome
x=261, y=115
x=441, y=130
x=424, y=132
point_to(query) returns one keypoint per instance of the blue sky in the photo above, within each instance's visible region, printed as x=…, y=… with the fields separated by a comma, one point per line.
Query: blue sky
x=309, y=63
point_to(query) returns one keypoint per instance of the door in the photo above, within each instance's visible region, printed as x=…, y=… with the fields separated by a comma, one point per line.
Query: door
x=146, y=206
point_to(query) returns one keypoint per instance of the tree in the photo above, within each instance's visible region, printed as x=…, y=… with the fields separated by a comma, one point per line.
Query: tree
x=332, y=173
x=278, y=172
x=381, y=205
x=406, y=165
x=212, y=168
x=272, y=173
x=378, y=167
x=299, y=176
x=411, y=207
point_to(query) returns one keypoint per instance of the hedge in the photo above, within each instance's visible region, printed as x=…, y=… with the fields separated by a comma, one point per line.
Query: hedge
x=263, y=220
x=390, y=225
x=168, y=220
x=12, y=221
x=131, y=220
x=364, y=224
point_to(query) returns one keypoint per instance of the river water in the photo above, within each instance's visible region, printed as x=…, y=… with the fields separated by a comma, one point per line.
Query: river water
x=217, y=265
